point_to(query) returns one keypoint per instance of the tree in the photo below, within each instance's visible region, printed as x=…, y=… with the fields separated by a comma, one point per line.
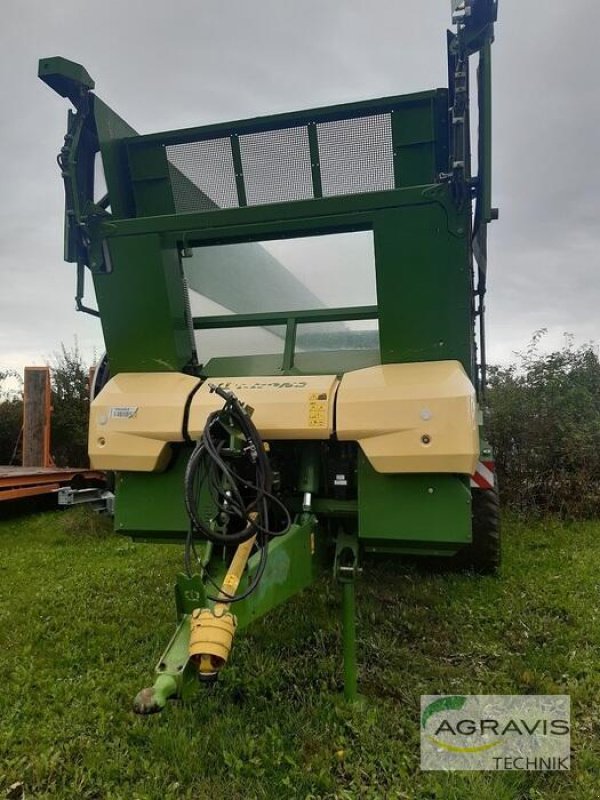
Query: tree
x=70, y=408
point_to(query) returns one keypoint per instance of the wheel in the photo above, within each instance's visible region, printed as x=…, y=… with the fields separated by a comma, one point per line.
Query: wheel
x=484, y=553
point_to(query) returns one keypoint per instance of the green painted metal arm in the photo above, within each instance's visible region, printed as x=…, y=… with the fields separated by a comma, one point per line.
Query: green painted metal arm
x=485, y=131
x=475, y=20
x=67, y=78
x=76, y=161
x=136, y=286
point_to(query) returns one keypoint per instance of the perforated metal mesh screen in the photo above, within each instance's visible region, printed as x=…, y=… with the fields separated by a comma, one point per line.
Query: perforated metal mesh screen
x=206, y=166
x=349, y=156
x=276, y=166
x=356, y=155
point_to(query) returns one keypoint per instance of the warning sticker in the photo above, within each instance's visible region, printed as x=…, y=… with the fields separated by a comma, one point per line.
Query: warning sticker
x=317, y=410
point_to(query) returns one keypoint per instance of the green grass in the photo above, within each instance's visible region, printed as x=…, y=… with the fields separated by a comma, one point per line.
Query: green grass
x=84, y=616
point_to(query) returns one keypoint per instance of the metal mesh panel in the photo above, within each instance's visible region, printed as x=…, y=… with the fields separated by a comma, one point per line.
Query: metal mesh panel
x=202, y=175
x=356, y=155
x=276, y=166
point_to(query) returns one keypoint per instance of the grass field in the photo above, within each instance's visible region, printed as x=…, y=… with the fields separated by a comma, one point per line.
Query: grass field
x=84, y=615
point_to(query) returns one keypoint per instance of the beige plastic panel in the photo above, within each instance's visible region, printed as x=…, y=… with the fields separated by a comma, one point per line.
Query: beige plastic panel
x=388, y=409
x=284, y=408
x=134, y=418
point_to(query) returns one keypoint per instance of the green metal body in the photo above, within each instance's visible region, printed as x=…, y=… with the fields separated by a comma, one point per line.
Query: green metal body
x=159, y=209
x=419, y=513
x=424, y=312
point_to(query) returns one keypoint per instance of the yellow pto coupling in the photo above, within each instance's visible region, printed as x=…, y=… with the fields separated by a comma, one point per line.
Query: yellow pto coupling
x=211, y=630
x=211, y=638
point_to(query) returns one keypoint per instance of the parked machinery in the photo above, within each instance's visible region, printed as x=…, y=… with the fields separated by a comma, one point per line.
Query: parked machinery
x=349, y=428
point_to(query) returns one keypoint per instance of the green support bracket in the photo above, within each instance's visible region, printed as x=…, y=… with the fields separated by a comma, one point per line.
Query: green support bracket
x=190, y=593
x=289, y=349
x=151, y=180
x=414, y=143
x=293, y=564
x=236, y=155
x=346, y=570
x=349, y=641
x=315, y=164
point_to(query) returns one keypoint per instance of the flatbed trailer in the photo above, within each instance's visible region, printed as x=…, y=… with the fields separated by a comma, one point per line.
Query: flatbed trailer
x=17, y=483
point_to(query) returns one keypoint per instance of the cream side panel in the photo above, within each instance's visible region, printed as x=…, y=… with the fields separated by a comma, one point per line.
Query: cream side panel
x=294, y=407
x=134, y=418
x=411, y=417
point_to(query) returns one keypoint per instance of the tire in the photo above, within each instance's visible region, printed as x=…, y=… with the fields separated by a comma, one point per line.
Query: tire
x=483, y=555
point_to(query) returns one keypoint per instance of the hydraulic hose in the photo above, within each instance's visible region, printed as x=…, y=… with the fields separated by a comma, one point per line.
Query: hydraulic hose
x=239, y=482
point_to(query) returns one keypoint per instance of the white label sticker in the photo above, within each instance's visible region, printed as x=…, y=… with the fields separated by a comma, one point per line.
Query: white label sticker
x=124, y=412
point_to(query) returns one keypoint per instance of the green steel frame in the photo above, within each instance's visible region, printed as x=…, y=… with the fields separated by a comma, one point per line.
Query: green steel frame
x=424, y=313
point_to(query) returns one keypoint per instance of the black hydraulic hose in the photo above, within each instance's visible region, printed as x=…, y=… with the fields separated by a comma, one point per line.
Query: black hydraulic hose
x=243, y=500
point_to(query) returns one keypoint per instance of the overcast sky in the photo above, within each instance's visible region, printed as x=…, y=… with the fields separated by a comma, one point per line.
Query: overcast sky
x=189, y=62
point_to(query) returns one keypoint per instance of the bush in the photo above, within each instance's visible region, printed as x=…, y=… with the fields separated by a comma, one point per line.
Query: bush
x=543, y=421
x=11, y=420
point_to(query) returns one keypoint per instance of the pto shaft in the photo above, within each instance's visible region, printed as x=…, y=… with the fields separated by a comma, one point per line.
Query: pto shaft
x=211, y=630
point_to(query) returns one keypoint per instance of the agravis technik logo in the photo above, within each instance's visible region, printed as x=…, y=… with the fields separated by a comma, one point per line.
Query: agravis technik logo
x=495, y=732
